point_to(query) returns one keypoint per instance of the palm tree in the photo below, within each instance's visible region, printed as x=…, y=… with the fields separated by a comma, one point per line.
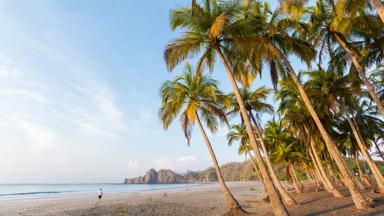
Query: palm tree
x=271, y=42
x=254, y=104
x=282, y=147
x=377, y=79
x=239, y=134
x=379, y=6
x=354, y=6
x=329, y=26
x=350, y=6
x=338, y=96
x=294, y=113
x=361, y=118
x=195, y=98
x=210, y=30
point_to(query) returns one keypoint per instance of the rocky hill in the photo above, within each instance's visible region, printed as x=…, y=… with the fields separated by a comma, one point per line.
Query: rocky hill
x=234, y=171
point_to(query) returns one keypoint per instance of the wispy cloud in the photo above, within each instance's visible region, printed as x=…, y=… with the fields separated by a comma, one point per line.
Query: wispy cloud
x=176, y=163
x=98, y=112
x=145, y=118
x=38, y=136
x=133, y=165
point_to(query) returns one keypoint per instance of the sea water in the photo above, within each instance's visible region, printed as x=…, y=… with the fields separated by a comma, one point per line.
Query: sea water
x=30, y=191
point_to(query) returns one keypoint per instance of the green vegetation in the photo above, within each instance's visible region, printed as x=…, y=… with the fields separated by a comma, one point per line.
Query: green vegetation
x=327, y=116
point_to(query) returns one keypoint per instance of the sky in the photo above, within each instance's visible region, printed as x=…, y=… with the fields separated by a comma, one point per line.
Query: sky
x=79, y=93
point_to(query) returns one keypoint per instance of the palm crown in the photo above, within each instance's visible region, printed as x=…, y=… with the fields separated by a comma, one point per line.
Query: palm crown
x=189, y=94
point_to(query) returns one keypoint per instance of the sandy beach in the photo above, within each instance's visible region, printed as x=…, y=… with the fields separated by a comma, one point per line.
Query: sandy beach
x=206, y=200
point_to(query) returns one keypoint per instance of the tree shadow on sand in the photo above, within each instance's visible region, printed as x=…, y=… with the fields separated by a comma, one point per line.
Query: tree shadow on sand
x=323, y=203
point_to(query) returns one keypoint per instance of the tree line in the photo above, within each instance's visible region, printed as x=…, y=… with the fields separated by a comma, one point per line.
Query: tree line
x=331, y=111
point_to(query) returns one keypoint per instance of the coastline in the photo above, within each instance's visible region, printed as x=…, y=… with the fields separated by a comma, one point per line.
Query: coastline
x=204, y=200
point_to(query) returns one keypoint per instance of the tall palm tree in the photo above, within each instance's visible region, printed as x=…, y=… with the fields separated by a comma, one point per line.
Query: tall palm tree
x=330, y=27
x=195, y=98
x=254, y=104
x=354, y=6
x=336, y=93
x=361, y=118
x=351, y=6
x=239, y=134
x=379, y=6
x=377, y=79
x=294, y=113
x=283, y=149
x=272, y=42
x=209, y=30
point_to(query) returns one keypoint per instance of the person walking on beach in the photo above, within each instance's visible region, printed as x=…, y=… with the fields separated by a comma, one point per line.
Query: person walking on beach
x=100, y=194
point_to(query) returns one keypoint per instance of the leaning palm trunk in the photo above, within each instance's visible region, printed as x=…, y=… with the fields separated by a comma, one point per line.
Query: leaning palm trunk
x=232, y=203
x=296, y=184
x=297, y=178
x=277, y=204
x=361, y=72
x=327, y=183
x=285, y=196
x=317, y=174
x=362, y=175
x=257, y=170
x=309, y=175
x=358, y=199
x=255, y=166
x=379, y=6
x=363, y=149
x=379, y=150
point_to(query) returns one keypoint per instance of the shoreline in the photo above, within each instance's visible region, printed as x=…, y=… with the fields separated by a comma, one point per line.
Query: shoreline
x=81, y=204
x=205, y=200
x=93, y=195
x=73, y=192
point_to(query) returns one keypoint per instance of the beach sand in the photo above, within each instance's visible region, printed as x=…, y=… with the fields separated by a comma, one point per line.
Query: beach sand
x=194, y=201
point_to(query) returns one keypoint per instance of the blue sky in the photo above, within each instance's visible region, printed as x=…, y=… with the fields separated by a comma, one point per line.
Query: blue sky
x=79, y=84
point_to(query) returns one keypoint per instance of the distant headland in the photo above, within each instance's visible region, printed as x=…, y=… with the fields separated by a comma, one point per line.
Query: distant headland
x=234, y=171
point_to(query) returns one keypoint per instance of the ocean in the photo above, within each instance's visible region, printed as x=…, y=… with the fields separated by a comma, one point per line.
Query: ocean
x=30, y=191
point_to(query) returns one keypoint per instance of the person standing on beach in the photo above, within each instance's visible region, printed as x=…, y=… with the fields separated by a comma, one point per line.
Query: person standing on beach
x=100, y=194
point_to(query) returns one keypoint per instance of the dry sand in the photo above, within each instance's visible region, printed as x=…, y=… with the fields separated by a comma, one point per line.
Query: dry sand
x=195, y=201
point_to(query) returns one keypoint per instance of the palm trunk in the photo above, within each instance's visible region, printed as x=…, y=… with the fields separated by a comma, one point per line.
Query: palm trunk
x=232, y=203
x=358, y=199
x=315, y=176
x=379, y=8
x=296, y=184
x=328, y=184
x=362, y=175
x=255, y=165
x=317, y=173
x=257, y=171
x=378, y=150
x=286, y=197
x=363, y=149
x=297, y=178
x=361, y=72
x=277, y=204
x=309, y=175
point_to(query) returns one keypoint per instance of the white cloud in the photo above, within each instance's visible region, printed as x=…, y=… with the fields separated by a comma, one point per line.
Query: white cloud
x=25, y=94
x=97, y=111
x=133, y=165
x=38, y=136
x=177, y=163
x=14, y=75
